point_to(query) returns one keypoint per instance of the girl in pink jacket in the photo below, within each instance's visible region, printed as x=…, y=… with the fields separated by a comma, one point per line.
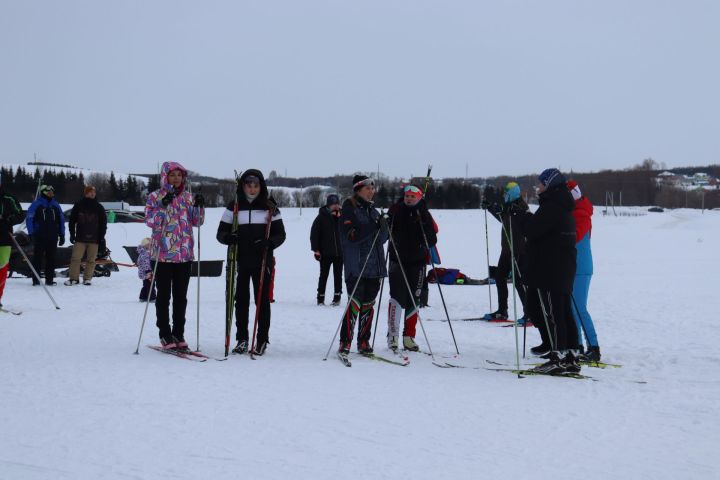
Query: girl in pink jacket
x=171, y=212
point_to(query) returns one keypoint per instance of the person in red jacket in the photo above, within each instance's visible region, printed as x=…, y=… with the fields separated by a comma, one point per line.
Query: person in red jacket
x=583, y=274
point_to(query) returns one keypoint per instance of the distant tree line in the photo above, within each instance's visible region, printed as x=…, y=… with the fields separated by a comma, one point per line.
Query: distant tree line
x=633, y=186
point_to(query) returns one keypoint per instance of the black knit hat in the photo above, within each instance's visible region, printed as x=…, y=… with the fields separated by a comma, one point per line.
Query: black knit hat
x=332, y=199
x=360, y=181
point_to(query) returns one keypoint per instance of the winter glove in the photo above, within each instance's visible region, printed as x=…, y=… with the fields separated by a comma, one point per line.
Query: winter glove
x=232, y=238
x=62, y=240
x=167, y=199
x=261, y=243
x=199, y=200
x=317, y=256
x=382, y=222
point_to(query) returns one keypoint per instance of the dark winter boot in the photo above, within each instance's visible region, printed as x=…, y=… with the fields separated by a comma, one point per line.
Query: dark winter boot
x=498, y=315
x=344, y=348
x=552, y=367
x=321, y=299
x=168, y=342
x=336, y=299
x=540, y=350
x=241, y=347
x=364, y=347
x=570, y=363
x=260, y=348
x=592, y=354
x=180, y=342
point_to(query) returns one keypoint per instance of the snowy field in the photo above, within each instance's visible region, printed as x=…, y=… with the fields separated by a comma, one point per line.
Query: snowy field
x=77, y=404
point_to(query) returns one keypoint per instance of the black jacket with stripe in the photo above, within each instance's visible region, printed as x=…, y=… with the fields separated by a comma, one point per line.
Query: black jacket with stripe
x=251, y=224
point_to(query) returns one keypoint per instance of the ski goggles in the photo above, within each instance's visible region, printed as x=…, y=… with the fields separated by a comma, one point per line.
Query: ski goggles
x=47, y=188
x=251, y=180
x=413, y=190
x=368, y=182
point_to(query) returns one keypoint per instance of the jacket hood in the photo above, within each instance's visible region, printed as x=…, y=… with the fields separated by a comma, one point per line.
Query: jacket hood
x=559, y=195
x=256, y=173
x=168, y=167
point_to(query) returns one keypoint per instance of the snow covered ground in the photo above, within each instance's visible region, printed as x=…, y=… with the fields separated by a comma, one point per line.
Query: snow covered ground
x=75, y=403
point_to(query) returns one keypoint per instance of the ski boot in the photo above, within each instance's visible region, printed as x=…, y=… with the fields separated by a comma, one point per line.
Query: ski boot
x=498, y=315
x=241, y=347
x=392, y=342
x=591, y=355
x=168, y=342
x=344, y=348
x=180, y=343
x=540, y=350
x=409, y=344
x=364, y=348
x=570, y=363
x=336, y=299
x=552, y=367
x=70, y=282
x=321, y=299
x=260, y=348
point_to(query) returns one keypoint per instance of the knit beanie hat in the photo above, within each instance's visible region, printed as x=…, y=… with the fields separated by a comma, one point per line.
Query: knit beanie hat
x=360, y=181
x=574, y=189
x=551, y=177
x=512, y=192
x=332, y=199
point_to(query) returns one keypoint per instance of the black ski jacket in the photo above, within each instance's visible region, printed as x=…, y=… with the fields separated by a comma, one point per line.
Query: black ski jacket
x=359, y=225
x=325, y=234
x=252, y=221
x=11, y=213
x=88, y=221
x=506, y=216
x=550, y=235
x=406, y=227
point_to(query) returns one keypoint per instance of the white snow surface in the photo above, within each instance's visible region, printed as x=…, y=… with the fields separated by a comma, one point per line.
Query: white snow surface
x=77, y=404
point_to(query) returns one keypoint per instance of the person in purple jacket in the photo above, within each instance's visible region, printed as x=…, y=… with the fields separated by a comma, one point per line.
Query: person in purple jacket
x=145, y=271
x=171, y=212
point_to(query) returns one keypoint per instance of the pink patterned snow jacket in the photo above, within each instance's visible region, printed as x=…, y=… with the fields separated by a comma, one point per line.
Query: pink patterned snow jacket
x=178, y=242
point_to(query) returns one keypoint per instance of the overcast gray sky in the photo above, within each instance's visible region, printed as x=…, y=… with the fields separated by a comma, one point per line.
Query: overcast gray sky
x=318, y=87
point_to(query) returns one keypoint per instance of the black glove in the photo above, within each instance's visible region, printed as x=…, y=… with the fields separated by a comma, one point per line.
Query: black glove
x=199, y=200
x=62, y=240
x=72, y=238
x=517, y=208
x=485, y=204
x=495, y=208
x=317, y=256
x=382, y=221
x=261, y=243
x=232, y=238
x=102, y=248
x=167, y=199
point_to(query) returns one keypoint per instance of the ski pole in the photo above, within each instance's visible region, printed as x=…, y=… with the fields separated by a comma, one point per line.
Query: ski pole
x=152, y=282
x=197, y=349
x=230, y=271
x=261, y=282
x=382, y=284
x=547, y=322
x=412, y=296
x=357, y=282
x=515, y=327
x=487, y=256
x=35, y=273
x=442, y=297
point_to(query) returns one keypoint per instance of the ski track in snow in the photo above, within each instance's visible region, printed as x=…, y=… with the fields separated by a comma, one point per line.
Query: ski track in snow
x=76, y=403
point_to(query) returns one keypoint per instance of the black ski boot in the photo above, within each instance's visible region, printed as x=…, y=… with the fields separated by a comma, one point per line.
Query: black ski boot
x=321, y=299
x=570, y=362
x=540, y=350
x=336, y=299
x=260, y=348
x=498, y=315
x=364, y=348
x=241, y=347
x=552, y=367
x=591, y=355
